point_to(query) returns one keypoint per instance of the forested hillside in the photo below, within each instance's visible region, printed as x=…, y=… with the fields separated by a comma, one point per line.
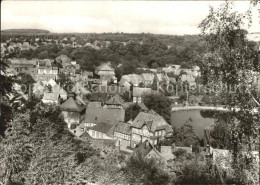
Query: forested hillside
x=24, y=31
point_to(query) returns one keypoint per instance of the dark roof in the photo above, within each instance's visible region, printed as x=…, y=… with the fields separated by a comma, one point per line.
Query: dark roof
x=72, y=105
x=164, y=127
x=123, y=128
x=115, y=100
x=107, y=115
x=97, y=96
x=104, y=128
x=85, y=135
x=45, y=63
x=152, y=112
x=151, y=119
x=141, y=105
x=73, y=126
x=145, y=148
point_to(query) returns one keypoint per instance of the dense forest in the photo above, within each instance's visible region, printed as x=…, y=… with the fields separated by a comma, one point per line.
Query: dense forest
x=131, y=50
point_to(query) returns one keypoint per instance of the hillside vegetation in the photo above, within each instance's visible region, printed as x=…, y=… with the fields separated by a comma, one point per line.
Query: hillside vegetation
x=24, y=31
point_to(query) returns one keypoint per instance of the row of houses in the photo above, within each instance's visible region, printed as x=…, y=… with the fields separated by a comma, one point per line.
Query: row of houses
x=13, y=47
x=147, y=79
x=175, y=69
x=104, y=118
x=46, y=69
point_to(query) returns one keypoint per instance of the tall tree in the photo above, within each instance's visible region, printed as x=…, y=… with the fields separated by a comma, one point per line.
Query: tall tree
x=160, y=104
x=6, y=83
x=233, y=62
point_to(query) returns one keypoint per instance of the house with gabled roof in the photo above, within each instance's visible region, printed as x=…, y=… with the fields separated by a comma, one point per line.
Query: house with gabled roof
x=149, y=126
x=95, y=115
x=63, y=94
x=85, y=136
x=73, y=111
x=69, y=69
x=46, y=70
x=125, y=84
x=141, y=105
x=106, y=73
x=98, y=97
x=22, y=65
x=50, y=98
x=63, y=59
x=133, y=79
x=105, y=69
x=101, y=131
x=147, y=151
x=122, y=132
x=116, y=102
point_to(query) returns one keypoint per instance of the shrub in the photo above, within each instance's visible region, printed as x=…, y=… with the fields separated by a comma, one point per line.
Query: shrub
x=179, y=152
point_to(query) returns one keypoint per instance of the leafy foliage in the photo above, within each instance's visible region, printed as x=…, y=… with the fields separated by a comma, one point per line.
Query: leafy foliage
x=139, y=170
x=233, y=64
x=160, y=104
x=231, y=58
x=131, y=112
x=185, y=136
x=198, y=172
x=35, y=143
x=6, y=83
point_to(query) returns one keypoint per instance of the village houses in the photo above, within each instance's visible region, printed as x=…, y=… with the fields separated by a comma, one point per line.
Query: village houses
x=149, y=126
x=73, y=111
x=139, y=92
x=106, y=73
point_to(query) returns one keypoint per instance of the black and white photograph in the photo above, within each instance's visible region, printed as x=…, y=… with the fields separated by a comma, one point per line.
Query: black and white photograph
x=129, y=92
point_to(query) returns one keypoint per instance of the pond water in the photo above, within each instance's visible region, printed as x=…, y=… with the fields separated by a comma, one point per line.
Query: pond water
x=198, y=122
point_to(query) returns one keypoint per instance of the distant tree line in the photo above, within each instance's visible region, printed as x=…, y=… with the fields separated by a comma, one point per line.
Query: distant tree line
x=131, y=50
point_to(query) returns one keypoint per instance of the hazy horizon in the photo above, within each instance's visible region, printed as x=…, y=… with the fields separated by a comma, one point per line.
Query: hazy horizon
x=133, y=17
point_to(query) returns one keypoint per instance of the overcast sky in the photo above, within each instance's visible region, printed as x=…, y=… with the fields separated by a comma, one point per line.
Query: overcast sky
x=162, y=17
